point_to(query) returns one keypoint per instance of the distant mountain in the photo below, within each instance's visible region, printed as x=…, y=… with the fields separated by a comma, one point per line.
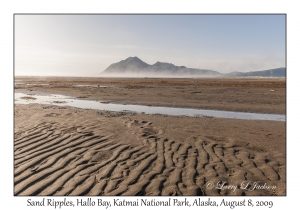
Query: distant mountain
x=136, y=67
x=131, y=64
x=278, y=72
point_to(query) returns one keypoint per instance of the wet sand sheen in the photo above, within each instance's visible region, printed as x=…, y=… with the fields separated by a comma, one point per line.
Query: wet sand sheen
x=88, y=104
x=70, y=151
x=64, y=150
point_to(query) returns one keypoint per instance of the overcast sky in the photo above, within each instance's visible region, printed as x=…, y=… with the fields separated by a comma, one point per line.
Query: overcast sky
x=85, y=45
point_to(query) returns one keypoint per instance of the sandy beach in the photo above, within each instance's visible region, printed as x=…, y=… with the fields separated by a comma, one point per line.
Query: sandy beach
x=63, y=150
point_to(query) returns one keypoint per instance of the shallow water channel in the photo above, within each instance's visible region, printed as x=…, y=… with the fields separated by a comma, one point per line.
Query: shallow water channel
x=62, y=100
x=99, y=86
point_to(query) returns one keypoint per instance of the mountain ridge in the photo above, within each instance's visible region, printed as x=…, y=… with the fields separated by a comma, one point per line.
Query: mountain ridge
x=134, y=66
x=276, y=72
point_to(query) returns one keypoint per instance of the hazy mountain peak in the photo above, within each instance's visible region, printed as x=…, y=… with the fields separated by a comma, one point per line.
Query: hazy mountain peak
x=158, y=63
x=134, y=58
x=135, y=67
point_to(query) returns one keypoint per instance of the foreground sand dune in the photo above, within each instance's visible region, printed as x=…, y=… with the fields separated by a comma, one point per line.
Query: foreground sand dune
x=61, y=152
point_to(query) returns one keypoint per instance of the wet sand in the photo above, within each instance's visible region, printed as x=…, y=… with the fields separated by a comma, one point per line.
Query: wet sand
x=71, y=151
x=240, y=94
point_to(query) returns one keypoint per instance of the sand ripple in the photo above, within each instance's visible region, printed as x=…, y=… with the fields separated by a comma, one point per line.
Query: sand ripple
x=55, y=159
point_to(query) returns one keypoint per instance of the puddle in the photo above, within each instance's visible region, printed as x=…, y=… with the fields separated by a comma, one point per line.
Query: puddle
x=61, y=100
x=101, y=86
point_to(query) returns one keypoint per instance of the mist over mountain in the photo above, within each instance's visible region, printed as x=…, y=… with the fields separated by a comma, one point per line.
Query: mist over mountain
x=278, y=72
x=131, y=64
x=135, y=67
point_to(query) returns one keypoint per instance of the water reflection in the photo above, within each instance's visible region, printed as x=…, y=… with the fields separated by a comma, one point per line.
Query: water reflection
x=61, y=100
